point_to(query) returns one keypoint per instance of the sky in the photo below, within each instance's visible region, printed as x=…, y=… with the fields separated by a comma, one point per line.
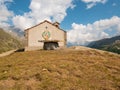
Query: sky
x=84, y=20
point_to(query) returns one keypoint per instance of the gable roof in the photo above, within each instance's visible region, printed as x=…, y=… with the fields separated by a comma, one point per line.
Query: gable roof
x=42, y=23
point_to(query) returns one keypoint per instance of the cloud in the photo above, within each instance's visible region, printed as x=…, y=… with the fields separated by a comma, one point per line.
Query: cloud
x=5, y=14
x=91, y=3
x=52, y=10
x=83, y=34
x=114, y=4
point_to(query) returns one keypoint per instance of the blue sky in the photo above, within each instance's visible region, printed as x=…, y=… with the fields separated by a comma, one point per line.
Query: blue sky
x=84, y=16
x=84, y=20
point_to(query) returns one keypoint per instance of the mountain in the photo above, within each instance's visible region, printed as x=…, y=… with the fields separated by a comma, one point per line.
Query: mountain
x=108, y=44
x=15, y=31
x=74, y=68
x=8, y=42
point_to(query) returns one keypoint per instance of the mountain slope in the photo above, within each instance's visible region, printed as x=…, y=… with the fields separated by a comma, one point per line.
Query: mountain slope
x=16, y=31
x=76, y=68
x=8, y=42
x=109, y=44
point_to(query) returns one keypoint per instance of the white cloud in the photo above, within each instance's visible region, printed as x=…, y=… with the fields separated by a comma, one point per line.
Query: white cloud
x=23, y=22
x=114, y=4
x=5, y=14
x=53, y=10
x=91, y=3
x=82, y=34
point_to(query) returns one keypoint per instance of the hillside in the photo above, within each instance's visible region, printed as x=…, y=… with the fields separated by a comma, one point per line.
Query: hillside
x=8, y=42
x=76, y=68
x=108, y=44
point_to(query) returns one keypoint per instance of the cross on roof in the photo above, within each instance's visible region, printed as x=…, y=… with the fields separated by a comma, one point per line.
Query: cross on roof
x=46, y=27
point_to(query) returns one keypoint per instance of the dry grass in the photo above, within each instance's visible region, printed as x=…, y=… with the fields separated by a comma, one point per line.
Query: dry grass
x=60, y=70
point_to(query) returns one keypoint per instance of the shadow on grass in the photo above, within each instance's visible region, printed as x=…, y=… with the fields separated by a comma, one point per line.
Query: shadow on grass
x=20, y=50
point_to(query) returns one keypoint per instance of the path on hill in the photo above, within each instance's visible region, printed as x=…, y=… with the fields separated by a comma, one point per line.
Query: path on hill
x=7, y=53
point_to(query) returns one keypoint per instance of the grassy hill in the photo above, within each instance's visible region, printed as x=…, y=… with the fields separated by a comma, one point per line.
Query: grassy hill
x=108, y=44
x=8, y=42
x=76, y=68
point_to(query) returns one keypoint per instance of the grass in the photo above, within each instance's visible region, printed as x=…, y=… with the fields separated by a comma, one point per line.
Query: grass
x=60, y=70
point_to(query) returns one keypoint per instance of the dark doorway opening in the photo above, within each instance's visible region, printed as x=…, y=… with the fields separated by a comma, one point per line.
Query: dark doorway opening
x=50, y=45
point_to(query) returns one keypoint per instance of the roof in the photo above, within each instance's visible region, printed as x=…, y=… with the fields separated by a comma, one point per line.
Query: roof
x=42, y=23
x=49, y=41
